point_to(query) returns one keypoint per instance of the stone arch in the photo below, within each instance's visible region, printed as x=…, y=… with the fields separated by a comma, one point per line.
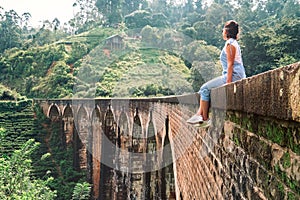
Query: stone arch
x=54, y=112
x=95, y=135
x=123, y=131
x=151, y=175
x=108, y=149
x=81, y=136
x=137, y=161
x=68, y=124
x=151, y=138
x=151, y=127
x=167, y=171
x=67, y=111
x=82, y=119
x=137, y=134
x=110, y=125
x=122, y=157
x=95, y=151
x=96, y=116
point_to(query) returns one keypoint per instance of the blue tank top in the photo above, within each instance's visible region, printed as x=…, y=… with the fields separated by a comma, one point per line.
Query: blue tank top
x=238, y=67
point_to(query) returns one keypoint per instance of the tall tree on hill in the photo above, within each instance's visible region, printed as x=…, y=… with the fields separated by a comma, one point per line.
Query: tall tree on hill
x=111, y=10
x=291, y=9
x=274, y=7
x=87, y=15
x=199, y=7
x=55, y=24
x=159, y=6
x=189, y=6
x=129, y=6
x=221, y=2
x=209, y=29
x=246, y=15
x=10, y=30
x=25, y=19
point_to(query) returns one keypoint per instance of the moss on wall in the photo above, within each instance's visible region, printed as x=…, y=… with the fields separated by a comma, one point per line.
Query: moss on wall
x=280, y=132
x=256, y=136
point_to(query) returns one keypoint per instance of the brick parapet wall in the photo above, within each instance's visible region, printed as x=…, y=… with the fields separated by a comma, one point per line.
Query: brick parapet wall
x=252, y=150
x=272, y=94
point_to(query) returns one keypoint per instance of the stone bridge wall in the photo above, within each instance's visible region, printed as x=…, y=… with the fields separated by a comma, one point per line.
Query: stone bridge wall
x=251, y=151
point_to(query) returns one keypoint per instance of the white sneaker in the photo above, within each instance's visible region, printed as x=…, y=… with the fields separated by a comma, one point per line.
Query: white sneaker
x=206, y=123
x=203, y=124
x=195, y=119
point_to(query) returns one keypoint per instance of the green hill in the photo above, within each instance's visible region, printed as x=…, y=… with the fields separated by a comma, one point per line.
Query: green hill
x=104, y=63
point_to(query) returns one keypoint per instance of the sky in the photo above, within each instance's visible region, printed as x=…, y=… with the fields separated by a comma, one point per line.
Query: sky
x=41, y=10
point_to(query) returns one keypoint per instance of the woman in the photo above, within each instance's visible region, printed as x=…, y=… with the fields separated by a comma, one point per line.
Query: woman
x=233, y=70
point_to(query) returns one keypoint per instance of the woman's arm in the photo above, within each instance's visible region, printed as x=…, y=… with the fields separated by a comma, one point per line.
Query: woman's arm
x=230, y=52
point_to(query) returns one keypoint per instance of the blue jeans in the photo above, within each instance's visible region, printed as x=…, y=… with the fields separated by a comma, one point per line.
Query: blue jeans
x=206, y=87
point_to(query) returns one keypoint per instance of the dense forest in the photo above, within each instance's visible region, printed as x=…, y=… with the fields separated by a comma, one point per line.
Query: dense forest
x=127, y=48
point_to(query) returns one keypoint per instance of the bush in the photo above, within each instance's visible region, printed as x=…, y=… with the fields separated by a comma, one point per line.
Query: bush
x=15, y=175
x=81, y=191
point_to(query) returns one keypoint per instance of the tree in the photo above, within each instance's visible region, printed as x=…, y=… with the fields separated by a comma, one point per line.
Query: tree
x=274, y=7
x=25, y=19
x=291, y=9
x=86, y=17
x=271, y=46
x=15, y=175
x=10, y=31
x=207, y=31
x=199, y=7
x=138, y=19
x=81, y=191
x=210, y=28
x=159, y=6
x=159, y=20
x=149, y=35
x=55, y=24
x=189, y=6
x=60, y=78
x=43, y=36
x=129, y=6
x=111, y=10
x=78, y=51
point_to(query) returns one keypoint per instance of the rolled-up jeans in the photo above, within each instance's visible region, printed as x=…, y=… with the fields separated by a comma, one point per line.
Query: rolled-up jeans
x=206, y=87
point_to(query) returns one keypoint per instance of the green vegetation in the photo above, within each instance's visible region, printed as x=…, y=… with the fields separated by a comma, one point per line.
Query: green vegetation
x=7, y=94
x=286, y=160
x=166, y=48
x=59, y=162
x=280, y=135
x=17, y=119
x=260, y=150
x=15, y=175
x=29, y=139
x=290, y=183
x=272, y=130
x=81, y=191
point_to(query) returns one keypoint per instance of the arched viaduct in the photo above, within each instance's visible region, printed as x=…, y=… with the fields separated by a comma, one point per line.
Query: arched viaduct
x=251, y=150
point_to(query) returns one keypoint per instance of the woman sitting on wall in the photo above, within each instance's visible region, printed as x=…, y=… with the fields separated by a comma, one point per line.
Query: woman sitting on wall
x=233, y=70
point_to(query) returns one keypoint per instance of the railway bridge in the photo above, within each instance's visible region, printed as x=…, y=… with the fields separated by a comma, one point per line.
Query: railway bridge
x=143, y=147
